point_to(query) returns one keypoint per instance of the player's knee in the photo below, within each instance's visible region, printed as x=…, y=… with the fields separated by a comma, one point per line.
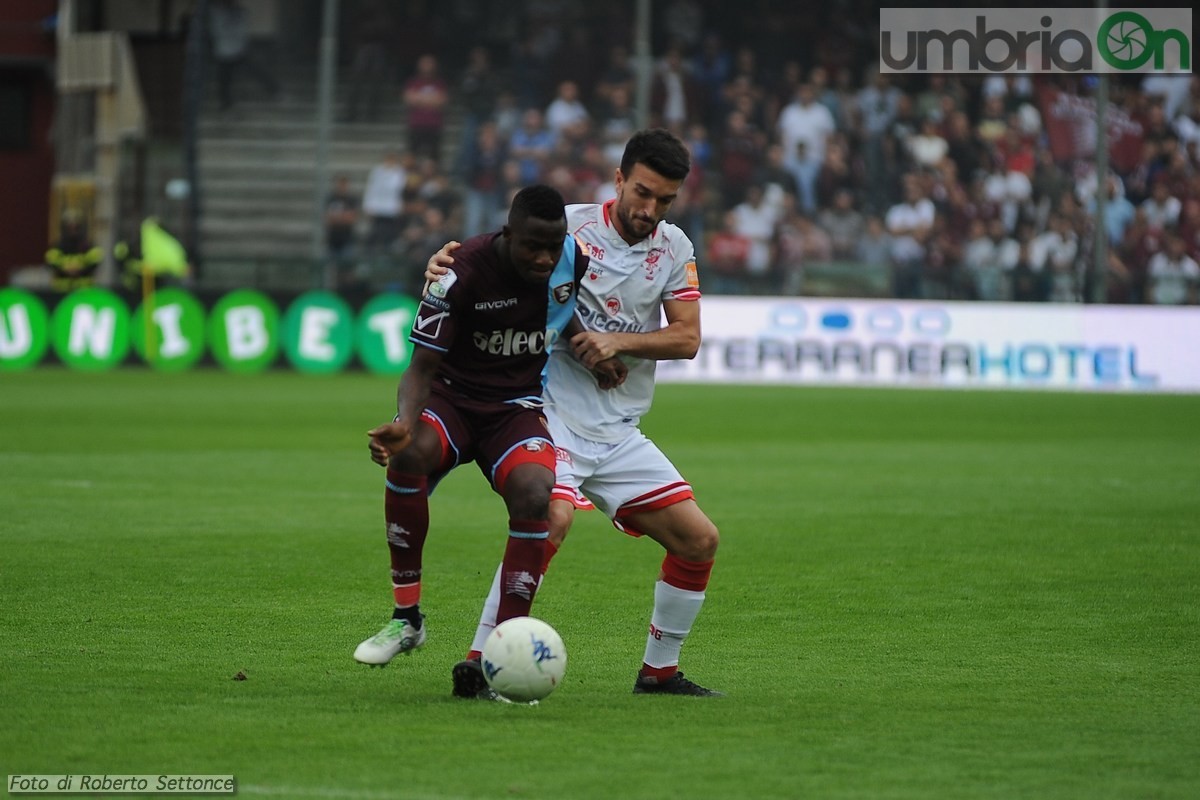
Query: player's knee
x=701, y=541
x=526, y=493
x=422, y=456
x=414, y=461
x=527, y=505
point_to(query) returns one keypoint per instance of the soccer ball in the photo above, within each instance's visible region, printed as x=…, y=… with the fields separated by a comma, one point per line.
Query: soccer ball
x=524, y=659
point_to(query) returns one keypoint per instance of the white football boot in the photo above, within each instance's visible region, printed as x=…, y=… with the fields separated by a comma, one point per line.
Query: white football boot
x=398, y=636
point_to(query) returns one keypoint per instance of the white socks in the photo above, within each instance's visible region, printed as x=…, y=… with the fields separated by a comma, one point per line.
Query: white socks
x=675, y=610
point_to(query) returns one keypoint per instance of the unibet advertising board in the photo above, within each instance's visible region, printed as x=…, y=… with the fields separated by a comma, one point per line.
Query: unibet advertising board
x=244, y=331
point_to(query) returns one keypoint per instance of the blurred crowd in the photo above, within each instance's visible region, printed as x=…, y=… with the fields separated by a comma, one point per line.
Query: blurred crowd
x=805, y=157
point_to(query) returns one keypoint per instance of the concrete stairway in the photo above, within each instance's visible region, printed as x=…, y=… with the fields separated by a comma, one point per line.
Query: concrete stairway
x=257, y=169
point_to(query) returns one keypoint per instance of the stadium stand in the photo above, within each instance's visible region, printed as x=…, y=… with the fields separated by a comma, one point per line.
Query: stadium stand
x=785, y=102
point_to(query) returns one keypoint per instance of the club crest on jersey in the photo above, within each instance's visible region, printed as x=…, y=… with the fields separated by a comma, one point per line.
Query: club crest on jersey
x=613, y=306
x=562, y=292
x=651, y=264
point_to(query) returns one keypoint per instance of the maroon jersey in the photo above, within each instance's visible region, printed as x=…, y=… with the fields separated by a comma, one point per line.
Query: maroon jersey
x=495, y=328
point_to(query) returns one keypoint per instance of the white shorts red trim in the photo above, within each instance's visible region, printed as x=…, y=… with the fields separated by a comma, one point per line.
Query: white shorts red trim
x=572, y=496
x=621, y=479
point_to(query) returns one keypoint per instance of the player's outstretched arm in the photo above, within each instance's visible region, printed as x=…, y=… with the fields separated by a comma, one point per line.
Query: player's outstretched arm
x=411, y=396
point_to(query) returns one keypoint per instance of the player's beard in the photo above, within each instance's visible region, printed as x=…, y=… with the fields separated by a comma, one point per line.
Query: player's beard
x=637, y=227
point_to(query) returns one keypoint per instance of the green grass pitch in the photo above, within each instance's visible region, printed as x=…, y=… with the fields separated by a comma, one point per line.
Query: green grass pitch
x=919, y=594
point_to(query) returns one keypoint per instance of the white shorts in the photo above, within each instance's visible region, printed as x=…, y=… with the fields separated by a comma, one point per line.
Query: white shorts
x=620, y=479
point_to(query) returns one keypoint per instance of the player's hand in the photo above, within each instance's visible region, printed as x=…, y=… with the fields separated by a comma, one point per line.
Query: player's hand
x=610, y=373
x=439, y=263
x=591, y=347
x=387, y=440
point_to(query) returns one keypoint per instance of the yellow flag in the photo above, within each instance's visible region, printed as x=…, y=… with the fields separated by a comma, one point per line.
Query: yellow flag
x=162, y=254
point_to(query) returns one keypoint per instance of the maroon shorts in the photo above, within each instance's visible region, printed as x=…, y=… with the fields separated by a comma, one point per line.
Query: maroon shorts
x=496, y=436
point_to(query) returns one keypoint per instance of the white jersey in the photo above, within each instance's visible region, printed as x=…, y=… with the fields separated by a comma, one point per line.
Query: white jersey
x=622, y=291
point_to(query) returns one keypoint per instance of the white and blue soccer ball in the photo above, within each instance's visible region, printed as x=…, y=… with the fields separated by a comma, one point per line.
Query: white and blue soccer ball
x=524, y=659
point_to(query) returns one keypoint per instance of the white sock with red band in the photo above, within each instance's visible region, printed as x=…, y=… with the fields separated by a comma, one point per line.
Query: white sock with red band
x=678, y=596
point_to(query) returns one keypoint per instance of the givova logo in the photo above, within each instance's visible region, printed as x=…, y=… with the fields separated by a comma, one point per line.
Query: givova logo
x=1027, y=40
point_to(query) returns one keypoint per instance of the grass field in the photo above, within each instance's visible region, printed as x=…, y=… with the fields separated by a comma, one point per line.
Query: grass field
x=918, y=595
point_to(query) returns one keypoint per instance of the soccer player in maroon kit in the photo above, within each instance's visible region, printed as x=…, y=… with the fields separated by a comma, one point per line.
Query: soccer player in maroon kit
x=473, y=392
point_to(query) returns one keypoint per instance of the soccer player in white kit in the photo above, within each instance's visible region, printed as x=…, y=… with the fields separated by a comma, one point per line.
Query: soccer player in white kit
x=642, y=269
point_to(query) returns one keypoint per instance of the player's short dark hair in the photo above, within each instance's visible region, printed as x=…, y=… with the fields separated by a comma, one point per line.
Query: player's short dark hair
x=538, y=201
x=660, y=150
